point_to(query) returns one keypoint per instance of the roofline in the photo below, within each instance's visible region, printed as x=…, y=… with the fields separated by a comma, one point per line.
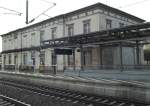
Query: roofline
x=97, y=5
x=106, y=7
x=38, y=23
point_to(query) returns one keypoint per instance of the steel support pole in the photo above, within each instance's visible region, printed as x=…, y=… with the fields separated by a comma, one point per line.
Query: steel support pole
x=21, y=51
x=137, y=52
x=101, y=56
x=121, y=62
x=64, y=59
x=82, y=58
x=55, y=64
x=74, y=64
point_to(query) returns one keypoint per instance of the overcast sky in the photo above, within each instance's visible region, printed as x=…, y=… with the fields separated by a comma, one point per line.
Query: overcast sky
x=139, y=8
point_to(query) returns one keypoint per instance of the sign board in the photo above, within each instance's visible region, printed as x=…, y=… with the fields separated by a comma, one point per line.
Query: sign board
x=63, y=51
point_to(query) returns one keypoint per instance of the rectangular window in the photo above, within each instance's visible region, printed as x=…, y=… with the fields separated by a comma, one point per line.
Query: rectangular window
x=24, y=36
x=42, y=58
x=4, y=39
x=54, y=33
x=15, y=59
x=108, y=24
x=25, y=59
x=4, y=60
x=32, y=34
x=9, y=39
x=121, y=25
x=42, y=32
x=33, y=57
x=15, y=36
x=9, y=59
x=24, y=41
x=32, y=39
x=86, y=26
x=70, y=29
x=70, y=60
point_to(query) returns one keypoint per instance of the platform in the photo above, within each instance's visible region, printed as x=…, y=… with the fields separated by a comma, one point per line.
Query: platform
x=133, y=75
x=134, y=90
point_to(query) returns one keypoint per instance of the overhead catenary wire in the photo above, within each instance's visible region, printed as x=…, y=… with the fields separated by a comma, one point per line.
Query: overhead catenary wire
x=48, y=1
x=9, y=13
x=132, y=4
x=43, y=13
x=46, y=15
x=17, y=13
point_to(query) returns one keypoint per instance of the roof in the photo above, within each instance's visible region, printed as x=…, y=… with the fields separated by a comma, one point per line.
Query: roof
x=108, y=8
x=97, y=5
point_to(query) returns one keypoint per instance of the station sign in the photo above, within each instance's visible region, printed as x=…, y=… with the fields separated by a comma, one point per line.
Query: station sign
x=63, y=51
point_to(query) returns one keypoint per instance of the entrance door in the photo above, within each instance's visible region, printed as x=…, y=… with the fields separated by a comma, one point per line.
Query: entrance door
x=16, y=60
x=54, y=59
x=108, y=56
x=87, y=57
x=54, y=62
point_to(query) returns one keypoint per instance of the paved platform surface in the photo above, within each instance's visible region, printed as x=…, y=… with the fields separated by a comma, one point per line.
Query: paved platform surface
x=133, y=85
x=141, y=76
x=112, y=75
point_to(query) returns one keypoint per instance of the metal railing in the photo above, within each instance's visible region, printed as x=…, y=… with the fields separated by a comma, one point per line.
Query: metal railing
x=111, y=67
x=53, y=69
x=97, y=72
x=9, y=67
x=26, y=68
x=48, y=69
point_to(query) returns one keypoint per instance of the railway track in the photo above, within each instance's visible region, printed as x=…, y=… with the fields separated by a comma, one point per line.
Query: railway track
x=73, y=96
x=6, y=101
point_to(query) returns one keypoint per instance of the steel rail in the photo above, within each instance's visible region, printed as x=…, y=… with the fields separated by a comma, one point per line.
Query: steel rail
x=7, y=101
x=73, y=96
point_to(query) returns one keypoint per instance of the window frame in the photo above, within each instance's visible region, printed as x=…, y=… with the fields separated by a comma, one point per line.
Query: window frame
x=53, y=32
x=42, y=58
x=87, y=26
x=108, y=23
x=42, y=33
x=9, y=59
x=70, y=28
x=121, y=24
x=25, y=59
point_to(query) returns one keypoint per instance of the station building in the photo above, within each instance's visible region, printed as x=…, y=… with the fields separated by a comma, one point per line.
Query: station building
x=18, y=46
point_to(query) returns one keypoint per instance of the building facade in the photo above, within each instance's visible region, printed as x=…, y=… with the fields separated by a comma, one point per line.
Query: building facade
x=18, y=46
